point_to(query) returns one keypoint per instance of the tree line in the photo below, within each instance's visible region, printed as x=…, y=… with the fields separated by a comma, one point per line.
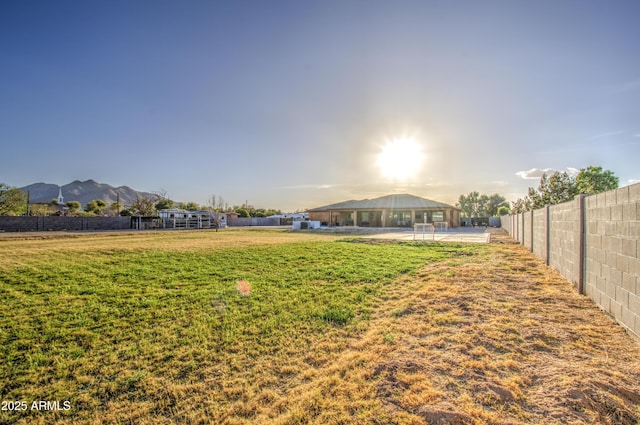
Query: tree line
x=14, y=201
x=563, y=187
x=481, y=205
x=148, y=205
x=554, y=189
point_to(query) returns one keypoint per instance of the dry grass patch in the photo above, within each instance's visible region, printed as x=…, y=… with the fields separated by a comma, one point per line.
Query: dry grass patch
x=503, y=339
x=175, y=240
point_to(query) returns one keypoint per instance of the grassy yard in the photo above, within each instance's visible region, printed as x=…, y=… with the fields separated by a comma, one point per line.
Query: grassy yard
x=243, y=327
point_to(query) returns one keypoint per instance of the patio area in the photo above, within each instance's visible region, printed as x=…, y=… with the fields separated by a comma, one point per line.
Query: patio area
x=458, y=234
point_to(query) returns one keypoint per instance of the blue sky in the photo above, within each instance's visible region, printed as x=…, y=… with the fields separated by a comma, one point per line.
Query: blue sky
x=287, y=104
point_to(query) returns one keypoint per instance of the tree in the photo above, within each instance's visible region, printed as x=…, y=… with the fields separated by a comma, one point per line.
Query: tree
x=470, y=204
x=558, y=188
x=13, y=201
x=114, y=209
x=222, y=205
x=242, y=212
x=41, y=209
x=164, y=204
x=74, y=206
x=502, y=210
x=480, y=205
x=594, y=180
x=562, y=187
x=96, y=206
x=259, y=212
x=520, y=206
x=191, y=206
x=493, y=204
x=217, y=203
x=144, y=205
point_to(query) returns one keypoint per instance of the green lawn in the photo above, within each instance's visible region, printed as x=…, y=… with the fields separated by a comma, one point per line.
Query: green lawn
x=129, y=334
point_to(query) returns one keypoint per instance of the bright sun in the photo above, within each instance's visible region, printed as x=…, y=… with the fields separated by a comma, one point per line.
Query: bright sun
x=400, y=159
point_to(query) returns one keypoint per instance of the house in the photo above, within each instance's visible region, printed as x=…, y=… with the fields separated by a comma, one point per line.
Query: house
x=387, y=211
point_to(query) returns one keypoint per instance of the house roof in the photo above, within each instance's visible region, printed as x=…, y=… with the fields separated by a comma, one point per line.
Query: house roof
x=404, y=201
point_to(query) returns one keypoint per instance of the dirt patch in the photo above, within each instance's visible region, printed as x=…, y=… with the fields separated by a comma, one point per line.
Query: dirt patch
x=443, y=414
x=603, y=403
x=501, y=237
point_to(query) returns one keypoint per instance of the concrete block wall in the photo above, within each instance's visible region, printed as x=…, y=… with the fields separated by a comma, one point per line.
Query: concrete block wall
x=520, y=228
x=540, y=234
x=253, y=221
x=565, y=241
x=506, y=222
x=47, y=223
x=18, y=224
x=612, y=269
x=594, y=242
x=527, y=236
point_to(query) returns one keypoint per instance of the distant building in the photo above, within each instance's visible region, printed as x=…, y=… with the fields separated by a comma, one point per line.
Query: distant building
x=60, y=197
x=176, y=218
x=292, y=216
x=387, y=211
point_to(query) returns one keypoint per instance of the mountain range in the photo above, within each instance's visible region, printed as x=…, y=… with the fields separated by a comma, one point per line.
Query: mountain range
x=83, y=192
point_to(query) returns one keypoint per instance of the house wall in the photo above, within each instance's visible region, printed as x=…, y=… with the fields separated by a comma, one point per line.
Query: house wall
x=321, y=216
x=594, y=242
x=451, y=216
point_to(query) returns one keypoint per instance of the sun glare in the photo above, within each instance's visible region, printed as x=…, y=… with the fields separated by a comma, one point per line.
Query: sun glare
x=400, y=159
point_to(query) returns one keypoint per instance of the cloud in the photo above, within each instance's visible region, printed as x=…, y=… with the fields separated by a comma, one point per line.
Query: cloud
x=310, y=186
x=572, y=171
x=535, y=173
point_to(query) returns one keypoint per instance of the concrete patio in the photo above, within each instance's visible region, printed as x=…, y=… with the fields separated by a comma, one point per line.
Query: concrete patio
x=458, y=234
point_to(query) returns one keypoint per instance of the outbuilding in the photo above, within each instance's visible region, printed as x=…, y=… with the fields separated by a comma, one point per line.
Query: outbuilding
x=387, y=211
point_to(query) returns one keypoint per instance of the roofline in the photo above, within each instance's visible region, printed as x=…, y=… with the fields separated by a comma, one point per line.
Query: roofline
x=342, y=206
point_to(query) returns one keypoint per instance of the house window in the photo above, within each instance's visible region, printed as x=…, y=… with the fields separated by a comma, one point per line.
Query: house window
x=423, y=217
x=438, y=216
x=400, y=218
